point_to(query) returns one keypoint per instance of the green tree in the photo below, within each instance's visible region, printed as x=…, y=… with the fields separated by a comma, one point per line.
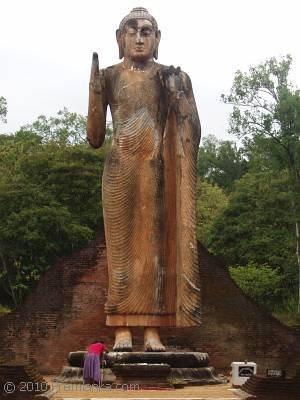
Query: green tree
x=35, y=230
x=266, y=115
x=3, y=109
x=220, y=162
x=65, y=128
x=211, y=200
x=257, y=227
x=50, y=201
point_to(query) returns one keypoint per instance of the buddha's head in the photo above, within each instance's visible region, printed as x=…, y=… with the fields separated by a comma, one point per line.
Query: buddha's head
x=138, y=36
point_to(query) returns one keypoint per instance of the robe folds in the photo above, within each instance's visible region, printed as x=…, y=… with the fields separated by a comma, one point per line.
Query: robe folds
x=149, y=201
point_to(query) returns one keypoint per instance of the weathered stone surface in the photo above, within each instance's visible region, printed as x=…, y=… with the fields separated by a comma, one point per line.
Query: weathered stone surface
x=148, y=185
x=199, y=376
x=76, y=358
x=75, y=375
x=173, y=359
x=144, y=375
x=186, y=367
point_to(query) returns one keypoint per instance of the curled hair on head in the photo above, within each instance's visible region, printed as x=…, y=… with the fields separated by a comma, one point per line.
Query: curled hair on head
x=138, y=13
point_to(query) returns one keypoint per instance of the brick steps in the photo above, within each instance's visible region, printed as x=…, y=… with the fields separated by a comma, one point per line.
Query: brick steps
x=21, y=380
x=273, y=387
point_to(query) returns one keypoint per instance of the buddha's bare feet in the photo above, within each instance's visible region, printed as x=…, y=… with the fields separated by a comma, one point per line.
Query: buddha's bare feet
x=123, y=341
x=152, y=340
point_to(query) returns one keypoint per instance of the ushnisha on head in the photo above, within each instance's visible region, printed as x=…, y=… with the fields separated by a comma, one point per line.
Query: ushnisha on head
x=138, y=36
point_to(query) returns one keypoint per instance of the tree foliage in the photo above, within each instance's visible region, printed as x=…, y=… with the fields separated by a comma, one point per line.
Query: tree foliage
x=256, y=96
x=257, y=227
x=266, y=115
x=63, y=129
x=260, y=282
x=50, y=201
x=221, y=162
x=211, y=200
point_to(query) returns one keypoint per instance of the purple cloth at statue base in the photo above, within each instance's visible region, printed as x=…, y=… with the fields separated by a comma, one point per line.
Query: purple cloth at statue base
x=91, y=368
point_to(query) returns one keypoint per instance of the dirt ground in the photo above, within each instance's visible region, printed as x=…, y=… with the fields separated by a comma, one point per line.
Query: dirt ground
x=77, y=391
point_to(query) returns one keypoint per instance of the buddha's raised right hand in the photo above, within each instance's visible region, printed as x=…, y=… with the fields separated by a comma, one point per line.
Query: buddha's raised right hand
x=95, y=75
x=96, y=122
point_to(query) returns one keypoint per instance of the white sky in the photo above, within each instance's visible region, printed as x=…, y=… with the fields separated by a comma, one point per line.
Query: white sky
x=46, y=49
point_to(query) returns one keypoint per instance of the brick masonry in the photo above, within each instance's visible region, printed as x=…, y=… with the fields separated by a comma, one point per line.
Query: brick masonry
x=66, y=311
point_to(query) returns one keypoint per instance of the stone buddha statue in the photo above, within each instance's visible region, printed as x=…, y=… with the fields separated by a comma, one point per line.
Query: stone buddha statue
x=149, y=186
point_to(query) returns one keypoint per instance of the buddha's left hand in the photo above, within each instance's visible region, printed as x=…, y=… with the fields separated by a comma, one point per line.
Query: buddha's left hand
x=173, y=81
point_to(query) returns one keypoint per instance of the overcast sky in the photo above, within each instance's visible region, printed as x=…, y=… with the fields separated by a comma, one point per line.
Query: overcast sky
x=46, y=49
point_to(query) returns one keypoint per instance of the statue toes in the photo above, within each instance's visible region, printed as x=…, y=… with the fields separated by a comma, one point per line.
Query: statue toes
x=123, y=345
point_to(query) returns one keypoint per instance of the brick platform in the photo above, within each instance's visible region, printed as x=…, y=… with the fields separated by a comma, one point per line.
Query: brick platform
x=66, y=312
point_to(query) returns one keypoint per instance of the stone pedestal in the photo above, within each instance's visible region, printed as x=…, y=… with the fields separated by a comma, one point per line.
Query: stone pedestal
x=147, y=369
x=74, y=375
x=143, y=375
x=173, y=359
x=195, y=376
x=177, y=368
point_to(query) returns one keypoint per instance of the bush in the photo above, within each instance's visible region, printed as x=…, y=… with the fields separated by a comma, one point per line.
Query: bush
x=262, y=283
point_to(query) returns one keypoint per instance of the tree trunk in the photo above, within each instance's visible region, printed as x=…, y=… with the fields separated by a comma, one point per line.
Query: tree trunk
x=298, y=259
x=11, y=291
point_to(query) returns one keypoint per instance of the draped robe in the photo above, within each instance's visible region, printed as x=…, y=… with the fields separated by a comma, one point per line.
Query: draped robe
x=148, y=192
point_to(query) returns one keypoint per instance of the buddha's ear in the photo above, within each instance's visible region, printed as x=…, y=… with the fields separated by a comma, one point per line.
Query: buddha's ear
x=157, y=40
x=120, y=43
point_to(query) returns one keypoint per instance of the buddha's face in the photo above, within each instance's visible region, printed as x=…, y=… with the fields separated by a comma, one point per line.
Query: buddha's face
x=139, y=40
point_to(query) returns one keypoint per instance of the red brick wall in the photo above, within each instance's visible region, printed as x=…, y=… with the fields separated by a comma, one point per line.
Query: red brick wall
x=66, y=311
